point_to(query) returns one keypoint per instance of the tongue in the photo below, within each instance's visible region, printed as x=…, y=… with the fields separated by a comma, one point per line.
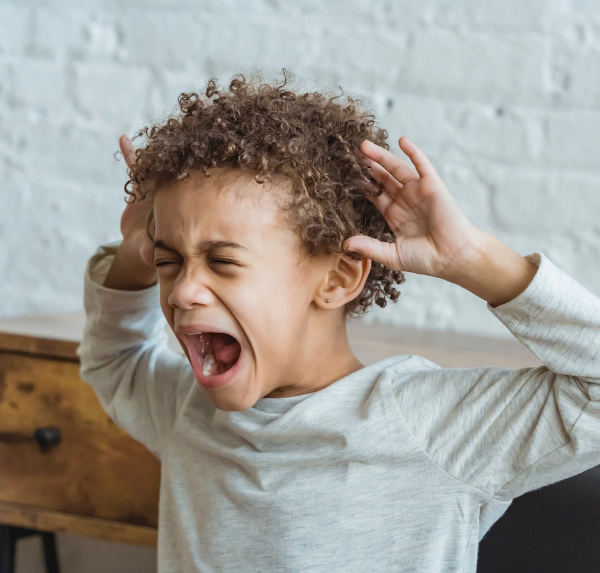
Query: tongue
x=225, y=348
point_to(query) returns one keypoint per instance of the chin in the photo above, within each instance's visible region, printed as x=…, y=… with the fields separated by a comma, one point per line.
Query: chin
x=228, y=402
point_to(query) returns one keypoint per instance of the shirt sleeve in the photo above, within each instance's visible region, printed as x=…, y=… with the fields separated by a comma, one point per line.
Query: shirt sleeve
x=505, y=431
x=124, y=356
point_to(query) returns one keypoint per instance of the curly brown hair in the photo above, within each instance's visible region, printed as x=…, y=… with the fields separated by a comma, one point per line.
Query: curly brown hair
x=312, y=139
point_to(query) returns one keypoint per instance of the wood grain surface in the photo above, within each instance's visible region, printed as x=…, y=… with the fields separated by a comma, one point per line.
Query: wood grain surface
x=97, y=470
x=41, y=519
x=64, y=349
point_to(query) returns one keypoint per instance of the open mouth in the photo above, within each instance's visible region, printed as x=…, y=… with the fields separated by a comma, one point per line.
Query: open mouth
x=213, y=356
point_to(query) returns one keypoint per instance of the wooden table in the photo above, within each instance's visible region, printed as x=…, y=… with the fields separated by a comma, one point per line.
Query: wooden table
x=98, y=481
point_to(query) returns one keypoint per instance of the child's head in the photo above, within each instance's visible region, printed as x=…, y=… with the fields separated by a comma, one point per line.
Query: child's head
x=255, y=190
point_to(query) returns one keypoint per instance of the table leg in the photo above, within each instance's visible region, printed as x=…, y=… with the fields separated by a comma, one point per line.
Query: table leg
x=50, y=556
x=8, y=544
x=9, y=535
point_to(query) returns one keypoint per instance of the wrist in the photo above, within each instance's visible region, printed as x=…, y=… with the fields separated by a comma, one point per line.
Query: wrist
x=495, y=272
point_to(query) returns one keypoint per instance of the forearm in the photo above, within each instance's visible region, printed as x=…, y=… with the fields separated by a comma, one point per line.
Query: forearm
x=495, y=273
x=559, y=320
x=124, y=354
x=128, y=272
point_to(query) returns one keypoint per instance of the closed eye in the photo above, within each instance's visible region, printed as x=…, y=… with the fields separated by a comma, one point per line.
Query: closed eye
x=213, y=261
x=163, y=263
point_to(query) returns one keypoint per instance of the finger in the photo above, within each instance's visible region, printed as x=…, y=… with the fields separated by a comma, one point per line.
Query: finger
x=382, y=202
x=392, y=164
x=417, y=157
x=384, y=253
x=127, y=149
x=384, y=177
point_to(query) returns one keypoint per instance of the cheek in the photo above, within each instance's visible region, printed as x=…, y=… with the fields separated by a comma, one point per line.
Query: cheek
x=279, y=288
x=274, y=308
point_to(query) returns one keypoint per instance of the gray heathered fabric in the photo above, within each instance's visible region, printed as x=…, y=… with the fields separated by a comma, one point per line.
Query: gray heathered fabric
x=401, y=466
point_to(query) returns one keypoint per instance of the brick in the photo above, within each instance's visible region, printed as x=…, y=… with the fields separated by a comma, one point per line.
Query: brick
x=377, y=63
x=83, y=154
x=38, y=89
x=476, y=67
x=429, y=122
x=15, y=29
x=572, y=140
x=110, y=94
x=58, y=31
x=470, y=192
x=579, y=77
x=498, y=134
x=509, y=15
x=540, y=203
x=44, y=224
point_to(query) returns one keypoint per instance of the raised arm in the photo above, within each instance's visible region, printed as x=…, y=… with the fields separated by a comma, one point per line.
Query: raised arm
x=499, y=430
x=140, y=382
x=133, y=265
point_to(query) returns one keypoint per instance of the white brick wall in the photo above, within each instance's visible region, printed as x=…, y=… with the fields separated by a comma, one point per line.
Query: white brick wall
x=503, y=96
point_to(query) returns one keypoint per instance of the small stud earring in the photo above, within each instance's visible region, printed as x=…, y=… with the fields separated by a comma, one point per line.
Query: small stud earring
x=326, y=300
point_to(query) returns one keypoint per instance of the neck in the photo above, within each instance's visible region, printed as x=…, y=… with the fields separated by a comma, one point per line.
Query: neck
x=335, y=361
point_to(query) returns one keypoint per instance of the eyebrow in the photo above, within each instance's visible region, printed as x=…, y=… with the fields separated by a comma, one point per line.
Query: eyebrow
x=205, y=246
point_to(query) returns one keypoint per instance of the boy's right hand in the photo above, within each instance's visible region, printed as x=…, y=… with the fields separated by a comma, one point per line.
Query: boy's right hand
x=133, y=267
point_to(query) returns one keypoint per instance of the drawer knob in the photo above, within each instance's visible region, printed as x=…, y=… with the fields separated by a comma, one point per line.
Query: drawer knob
x=47, y=438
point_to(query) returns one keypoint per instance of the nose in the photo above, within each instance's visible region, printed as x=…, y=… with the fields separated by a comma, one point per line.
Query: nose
x=190, y=290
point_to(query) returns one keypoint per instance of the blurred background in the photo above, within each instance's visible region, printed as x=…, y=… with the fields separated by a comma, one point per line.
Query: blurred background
x=504, y=97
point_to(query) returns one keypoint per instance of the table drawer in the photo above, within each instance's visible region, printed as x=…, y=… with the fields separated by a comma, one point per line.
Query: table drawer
x=96, y=470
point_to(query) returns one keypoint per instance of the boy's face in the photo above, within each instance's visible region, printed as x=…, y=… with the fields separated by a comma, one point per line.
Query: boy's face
x=230, y=268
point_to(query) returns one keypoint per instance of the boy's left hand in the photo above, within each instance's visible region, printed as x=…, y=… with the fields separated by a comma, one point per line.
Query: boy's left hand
x=433, y=235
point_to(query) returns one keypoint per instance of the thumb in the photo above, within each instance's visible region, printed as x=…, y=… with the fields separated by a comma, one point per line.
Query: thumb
x=143, y=246
x=147, y=253
x=127, y=149
x=378, y=251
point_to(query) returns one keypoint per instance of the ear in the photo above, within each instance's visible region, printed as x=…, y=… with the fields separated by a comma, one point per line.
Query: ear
x=342, y=283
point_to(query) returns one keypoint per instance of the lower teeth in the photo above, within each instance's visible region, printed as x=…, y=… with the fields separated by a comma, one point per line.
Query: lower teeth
x=209, y=360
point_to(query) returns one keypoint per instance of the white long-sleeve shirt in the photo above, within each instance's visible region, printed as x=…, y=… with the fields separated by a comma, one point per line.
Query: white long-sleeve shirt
x=399, y=467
